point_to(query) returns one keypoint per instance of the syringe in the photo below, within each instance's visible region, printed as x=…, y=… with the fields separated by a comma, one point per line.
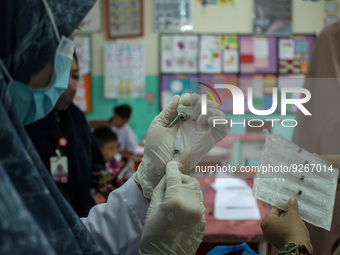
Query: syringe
x=312, y=199
x=177, y=146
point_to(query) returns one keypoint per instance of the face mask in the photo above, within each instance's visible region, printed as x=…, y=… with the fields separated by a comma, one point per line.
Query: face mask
x=34, y=104
x=66, y=98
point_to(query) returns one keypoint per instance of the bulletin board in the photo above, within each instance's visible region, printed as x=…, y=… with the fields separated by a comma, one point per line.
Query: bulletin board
x=124, y=18
x=83, y=51
x=260, y=62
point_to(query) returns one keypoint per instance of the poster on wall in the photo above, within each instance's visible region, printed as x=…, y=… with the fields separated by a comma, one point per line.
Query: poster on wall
x=124, y=18
x=273, y=17
x=93, y=20
x=331, y=11
x=295, y=53
x=229, y=46
x=262, y=85
x=179, y=53
x=258, y=54
x=83, y=51
x=329, y=19
x=172, y=85
x=210, y=55
x=193, y=54
x=124, y=70
x=172, y=15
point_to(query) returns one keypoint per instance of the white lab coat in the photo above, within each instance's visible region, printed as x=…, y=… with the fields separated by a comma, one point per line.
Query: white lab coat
x=117, y=224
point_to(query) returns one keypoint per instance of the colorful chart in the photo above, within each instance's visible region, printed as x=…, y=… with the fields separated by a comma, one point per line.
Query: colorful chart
x=294, y=54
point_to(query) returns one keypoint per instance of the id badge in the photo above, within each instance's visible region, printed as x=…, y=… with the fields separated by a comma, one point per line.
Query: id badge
x=59, y=169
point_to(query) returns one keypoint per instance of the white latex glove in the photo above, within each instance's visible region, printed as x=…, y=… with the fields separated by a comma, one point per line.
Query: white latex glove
x=198, y=137
x=175, y=222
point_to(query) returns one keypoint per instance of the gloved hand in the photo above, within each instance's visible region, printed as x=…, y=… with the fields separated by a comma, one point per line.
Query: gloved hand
x=175, y=222
x=198, y=137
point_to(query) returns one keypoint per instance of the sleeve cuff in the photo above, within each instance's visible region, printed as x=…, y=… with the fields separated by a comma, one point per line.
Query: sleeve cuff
x=293, y=249
x=135, y=199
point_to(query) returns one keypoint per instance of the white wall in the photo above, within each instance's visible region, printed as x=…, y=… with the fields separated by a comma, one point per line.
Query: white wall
x=308, y=17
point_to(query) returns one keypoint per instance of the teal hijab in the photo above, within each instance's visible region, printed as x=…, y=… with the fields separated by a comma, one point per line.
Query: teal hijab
x=34, y=217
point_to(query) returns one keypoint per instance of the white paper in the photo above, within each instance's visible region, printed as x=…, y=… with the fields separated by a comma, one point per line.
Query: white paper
x=230, y=61
x=80, y=92
x=234, y=202
x=139, y=149
x=286, y=49
x=216, y=150
x=191, y=54
x=83, y=52
x=179, y=54
x=261, y=48
x=210, y=56
x=166, y=98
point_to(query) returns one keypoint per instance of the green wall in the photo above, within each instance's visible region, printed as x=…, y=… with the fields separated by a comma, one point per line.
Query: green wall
x=144, y=112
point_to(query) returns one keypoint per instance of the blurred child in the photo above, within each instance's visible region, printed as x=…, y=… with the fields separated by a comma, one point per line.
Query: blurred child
x=126, y=136
x=108, y=144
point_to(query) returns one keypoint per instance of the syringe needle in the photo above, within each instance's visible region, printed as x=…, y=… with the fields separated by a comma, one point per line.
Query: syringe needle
x=173, y=121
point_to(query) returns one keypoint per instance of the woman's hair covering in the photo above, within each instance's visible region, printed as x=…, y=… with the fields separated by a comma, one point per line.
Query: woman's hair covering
x=28, y=41
x=34, y=216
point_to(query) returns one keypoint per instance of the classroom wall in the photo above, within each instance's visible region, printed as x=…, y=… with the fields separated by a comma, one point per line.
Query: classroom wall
x=307, y=18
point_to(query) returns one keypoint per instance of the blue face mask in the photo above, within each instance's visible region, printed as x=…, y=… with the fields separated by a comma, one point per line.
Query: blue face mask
x=34, y=104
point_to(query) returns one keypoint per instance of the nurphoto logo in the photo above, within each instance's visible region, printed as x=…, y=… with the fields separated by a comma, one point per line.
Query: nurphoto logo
x=238, y=103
